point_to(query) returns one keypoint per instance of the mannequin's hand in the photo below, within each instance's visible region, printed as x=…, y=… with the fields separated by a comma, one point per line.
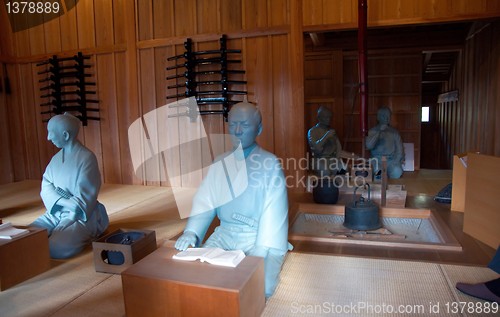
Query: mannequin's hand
x=187, y=239
x=66, y=222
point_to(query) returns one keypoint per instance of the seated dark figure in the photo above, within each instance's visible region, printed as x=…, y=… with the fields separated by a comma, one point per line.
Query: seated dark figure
x=324, y=145
x=384, y=140
x=70, y=186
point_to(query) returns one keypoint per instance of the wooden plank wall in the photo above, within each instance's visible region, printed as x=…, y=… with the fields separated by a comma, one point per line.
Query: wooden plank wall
x=342, y=14
x=393, y=81
x=97, y=29
x=265, y=57
x=323, y=86
x=128, y=63
x=129, y=42
x=468, y=125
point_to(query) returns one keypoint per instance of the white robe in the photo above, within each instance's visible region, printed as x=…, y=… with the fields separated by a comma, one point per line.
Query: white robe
x=255, y=219
x=77, y=173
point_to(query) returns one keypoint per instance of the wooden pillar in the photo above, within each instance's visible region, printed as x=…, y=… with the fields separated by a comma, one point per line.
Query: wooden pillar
x=363, y=74
x=296, y=65
x=132, y=69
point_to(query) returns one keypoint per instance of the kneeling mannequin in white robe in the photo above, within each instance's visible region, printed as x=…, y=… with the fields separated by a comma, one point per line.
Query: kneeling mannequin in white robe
x=70, y=186
x=255, y=221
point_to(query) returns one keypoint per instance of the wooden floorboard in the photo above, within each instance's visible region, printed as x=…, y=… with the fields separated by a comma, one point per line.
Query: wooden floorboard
x=20, y=203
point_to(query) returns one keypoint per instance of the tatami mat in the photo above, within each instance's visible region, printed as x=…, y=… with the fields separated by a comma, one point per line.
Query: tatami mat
x=317, y=285
x=106, y=299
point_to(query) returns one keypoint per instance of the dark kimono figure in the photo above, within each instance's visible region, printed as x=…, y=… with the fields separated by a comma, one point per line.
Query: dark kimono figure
x=256, y=219
x=70, y=186
x=384, y=140
x=489, y=290
x=324, y=145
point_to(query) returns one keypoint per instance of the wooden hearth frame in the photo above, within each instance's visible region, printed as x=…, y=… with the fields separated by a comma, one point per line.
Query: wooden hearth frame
x=449, y=243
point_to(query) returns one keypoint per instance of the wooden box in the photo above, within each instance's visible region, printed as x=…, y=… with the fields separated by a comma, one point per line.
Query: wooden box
x=482, y=211
x=23, y=257
x=361, y=171
x=459, y=182
x=395, y=195
x=131, y=252
x=161, y=286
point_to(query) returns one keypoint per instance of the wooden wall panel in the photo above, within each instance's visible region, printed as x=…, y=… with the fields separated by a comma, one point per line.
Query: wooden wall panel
x=468, y=125
x=36, y=43
x=103, y=20
x=147, y=104
x=394, y=81
x=30, y=132
x=324, y=71
x=312, y=12
x=15, y=116
x=6, y=37
x=92, y=139
x=260, y=85
x=278, y=12
x=281, y=101
x=128, y=111
x=68, y=29
x=120, y=22
x=145, y=16
x=108, y=113
x=6, y=172
x=128, y=88
x=339, y=10
x=162, y=26
x=45, y=148
x=495, y=93
x=86, y=31
x=22, y=39
x=255, y=14
x=208, y=16
x=295, y=118
x=160, y=60
x=128, y=41
x=184, y=16
x=52, y=36
x=230, y=15
x=91, y=134
x=394, y=12
x=91, y=26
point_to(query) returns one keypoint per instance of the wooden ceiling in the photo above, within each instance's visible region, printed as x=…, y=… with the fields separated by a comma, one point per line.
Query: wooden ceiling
x=440, y=45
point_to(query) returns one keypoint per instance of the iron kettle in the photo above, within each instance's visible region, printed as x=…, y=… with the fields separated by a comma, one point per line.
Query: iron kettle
x=362, y=214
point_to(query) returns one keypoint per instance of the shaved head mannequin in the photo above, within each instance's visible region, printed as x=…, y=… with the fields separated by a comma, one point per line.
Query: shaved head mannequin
x=66, y=122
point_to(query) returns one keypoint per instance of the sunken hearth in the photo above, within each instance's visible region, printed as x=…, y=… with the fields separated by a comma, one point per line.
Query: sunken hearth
x=401, y=227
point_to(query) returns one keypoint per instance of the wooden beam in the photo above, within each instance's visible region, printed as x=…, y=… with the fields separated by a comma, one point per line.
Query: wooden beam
x=384, y=211
x=179, y=40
